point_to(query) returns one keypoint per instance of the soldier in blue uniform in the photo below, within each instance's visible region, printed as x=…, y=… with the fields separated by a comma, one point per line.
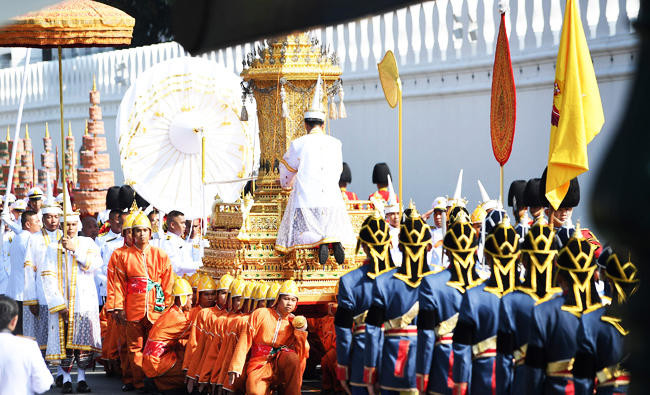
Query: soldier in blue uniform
x=552, y=342
x=538, y=252
x=601, y=335
x=395, y=306
x=519, y=209
x=440, y=298
x=354, y=299
x=475, y=337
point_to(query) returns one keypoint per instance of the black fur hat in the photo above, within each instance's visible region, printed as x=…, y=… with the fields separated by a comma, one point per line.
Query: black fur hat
x=346, y=174
x=572, y=198
x=380, y=173
x=126, y=196
x=532, y=197
x=113, y=198
x=516, y=194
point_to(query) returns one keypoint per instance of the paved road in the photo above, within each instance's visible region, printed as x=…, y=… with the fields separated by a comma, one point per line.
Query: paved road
x=100, y=384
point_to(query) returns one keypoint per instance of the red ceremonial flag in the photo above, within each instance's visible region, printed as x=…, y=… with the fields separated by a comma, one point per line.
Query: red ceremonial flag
x=503, y=106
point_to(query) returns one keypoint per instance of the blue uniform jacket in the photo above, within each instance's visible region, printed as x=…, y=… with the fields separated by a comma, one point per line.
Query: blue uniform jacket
x=355, y=296
x=552, y=346
x=440, y=303
x=515, y=315
x=395, y=304
x=475, y=340
x=600, y=349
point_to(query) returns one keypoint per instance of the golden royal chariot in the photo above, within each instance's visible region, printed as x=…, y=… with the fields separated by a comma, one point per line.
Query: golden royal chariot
x=281, y=76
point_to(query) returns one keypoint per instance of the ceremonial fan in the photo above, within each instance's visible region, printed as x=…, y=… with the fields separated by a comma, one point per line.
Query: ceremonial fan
x=392, y=86
x=181, y=142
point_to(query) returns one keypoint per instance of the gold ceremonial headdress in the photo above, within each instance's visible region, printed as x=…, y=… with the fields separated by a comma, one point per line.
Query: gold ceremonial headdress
x=624, y=277
x=206, y=283
x=414, y=236
x=539, y=250
x=375, y=233
x=502, y=246
x=461, y=241
x=182, y=289
x=576, y=260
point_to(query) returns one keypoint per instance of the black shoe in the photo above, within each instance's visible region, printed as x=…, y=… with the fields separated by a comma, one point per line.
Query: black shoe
x=323, y=253
x=82, y=387
x=127, y=387
x=339, y=253
x=58, y=381
x=67, y=388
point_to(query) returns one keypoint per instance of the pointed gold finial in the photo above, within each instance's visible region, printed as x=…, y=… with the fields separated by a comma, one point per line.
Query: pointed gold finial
x=414, y=212
x=86, y=129
x=47, y=131
x=8, y=135
x=26, y=131
x=134, y=207
x=69, y=129
x=578, y=231
x=94, y=83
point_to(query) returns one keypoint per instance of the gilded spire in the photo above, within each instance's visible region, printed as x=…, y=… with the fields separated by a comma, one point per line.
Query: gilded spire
x=47, y=131
x=26, y=131
x=8, y=136
x=94, y=84
x=69, y=129
x=86, y=129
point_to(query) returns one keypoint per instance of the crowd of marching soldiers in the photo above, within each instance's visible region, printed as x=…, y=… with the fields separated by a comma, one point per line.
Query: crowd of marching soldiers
x=541, y=320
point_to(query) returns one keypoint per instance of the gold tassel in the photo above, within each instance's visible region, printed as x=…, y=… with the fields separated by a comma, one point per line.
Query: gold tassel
x=334, y=114
x=244, y=112
x=342, y=112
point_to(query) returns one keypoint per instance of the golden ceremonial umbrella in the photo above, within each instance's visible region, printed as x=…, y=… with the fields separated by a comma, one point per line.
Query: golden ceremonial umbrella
x=70, y=23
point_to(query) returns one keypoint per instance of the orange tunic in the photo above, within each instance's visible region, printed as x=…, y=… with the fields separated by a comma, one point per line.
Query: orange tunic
x=215, y=338
x=132, y=292
x=166, y=343
x=230, y=337
x=113, y=262
x=266, y=328
x=199, y=336
x=278, y=353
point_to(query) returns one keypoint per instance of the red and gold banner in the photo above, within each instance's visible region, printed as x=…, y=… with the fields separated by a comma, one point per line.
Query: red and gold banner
x=503, y=109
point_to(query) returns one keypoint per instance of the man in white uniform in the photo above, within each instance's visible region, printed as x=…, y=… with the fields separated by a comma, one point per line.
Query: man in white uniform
x=69, y=284
x=19, y=268
x=197, y=242
x=393, y=218
x=315, y=214
x=176, y=247
x=35, y=321
x=22, y=369
x=107, y=242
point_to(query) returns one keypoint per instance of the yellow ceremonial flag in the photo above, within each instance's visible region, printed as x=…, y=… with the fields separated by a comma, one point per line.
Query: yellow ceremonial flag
x=577, y=115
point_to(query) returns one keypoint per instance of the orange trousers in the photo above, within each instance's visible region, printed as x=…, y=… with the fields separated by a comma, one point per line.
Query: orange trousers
x=137, y=333
x=284, y=371
x=174, y=378
x=328, y=365
x=123, y=351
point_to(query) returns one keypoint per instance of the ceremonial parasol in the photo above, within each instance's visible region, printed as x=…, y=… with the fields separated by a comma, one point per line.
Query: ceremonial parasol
x=392, y=86
x=180, y=137
x=70, y=23
x=503, y=106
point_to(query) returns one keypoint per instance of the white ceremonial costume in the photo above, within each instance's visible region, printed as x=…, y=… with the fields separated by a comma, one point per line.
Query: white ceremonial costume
x=17, y=251
x=5, y=265
x=68, y=281
x=180, y=254
x=395, y=253
x=315, y=213
x=107, y=243
x=36, y=326
x=198, y=245
x=22, y=369
x=435, y=257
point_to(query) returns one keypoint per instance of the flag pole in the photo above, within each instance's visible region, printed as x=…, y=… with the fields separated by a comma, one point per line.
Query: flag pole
x=63, y=147
x=501, y=184
x=399, y=110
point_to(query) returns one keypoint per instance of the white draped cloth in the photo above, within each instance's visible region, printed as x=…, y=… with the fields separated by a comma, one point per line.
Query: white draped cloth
x=68, y=282
x=36, y=326
x=315, y=213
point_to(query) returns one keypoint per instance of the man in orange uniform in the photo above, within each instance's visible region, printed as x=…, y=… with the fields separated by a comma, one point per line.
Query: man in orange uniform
x=116, y=349
x=163, y=353
x=200, y=334
x=212, y=359
x=324, y=328
x=206, y=295
x=143, y=287
x=278, y=344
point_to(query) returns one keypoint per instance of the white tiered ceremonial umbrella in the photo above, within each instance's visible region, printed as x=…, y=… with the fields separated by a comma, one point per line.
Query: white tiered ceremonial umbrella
x=180, y=137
